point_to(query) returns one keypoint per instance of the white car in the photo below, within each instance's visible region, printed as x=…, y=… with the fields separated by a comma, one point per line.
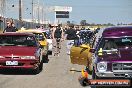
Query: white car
x=49, y=45
x=48, y=36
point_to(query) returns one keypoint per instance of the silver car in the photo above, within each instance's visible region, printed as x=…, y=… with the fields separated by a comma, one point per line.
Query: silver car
x=48, y=36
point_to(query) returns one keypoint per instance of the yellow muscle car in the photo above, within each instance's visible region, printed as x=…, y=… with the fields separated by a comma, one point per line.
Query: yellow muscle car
x=80, y=55
x=80, y=51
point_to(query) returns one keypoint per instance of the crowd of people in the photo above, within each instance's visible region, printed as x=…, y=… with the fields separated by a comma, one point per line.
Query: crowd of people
x=69, y=34
x=58, y=33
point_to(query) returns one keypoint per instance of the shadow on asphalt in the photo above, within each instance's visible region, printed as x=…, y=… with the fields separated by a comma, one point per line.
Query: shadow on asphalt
x=112, y=87
x=16, y=72
x=75, y=71
x=46, y=61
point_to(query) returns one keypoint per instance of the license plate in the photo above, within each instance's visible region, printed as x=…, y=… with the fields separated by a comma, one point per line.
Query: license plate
x=11, y=62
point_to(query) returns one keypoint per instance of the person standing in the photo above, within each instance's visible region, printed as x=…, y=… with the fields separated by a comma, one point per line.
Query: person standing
x=57, y=35
x=70, y=37
x=10, y=27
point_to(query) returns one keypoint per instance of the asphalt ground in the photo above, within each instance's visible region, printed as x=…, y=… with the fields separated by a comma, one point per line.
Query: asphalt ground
x=55, y=74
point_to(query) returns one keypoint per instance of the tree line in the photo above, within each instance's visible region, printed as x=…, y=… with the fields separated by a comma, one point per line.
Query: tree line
x=84, y=23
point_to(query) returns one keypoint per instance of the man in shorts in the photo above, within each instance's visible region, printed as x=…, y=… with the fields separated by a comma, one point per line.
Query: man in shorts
x=57, y=35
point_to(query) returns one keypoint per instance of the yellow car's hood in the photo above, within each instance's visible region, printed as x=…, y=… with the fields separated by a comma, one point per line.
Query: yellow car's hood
x=43, y=43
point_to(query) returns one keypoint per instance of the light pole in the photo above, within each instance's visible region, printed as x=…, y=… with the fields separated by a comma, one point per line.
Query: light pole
x=32, y=14
x=38, y=13
x=2, y=7
x=42, y=15
x=20, y=10
x=3, y=10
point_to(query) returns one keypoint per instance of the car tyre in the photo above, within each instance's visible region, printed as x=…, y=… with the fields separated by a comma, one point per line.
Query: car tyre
x=38, y=69
x=45, y=58
x=83, y=82
x=94, y=76
x=89, y=72
x=41, y=66
x=50, y=52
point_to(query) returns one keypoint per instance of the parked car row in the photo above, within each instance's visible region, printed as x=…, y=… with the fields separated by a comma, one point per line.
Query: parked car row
x=108, y=55
x=20, y=50
x=24, y=49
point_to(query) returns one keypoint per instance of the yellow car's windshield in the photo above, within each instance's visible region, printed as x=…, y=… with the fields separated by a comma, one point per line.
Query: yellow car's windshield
x=39, y=36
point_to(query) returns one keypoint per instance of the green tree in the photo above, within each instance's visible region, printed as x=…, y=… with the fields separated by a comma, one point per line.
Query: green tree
x=68, y=22
x=83, y=22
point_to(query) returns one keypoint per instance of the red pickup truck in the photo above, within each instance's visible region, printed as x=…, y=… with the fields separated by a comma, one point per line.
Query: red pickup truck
x=20, y=50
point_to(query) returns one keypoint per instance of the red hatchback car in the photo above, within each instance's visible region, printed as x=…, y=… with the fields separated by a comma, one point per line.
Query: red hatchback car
x=20, y=50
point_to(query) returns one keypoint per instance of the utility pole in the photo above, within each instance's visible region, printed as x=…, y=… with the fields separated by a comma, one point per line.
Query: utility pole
x=3, y=10
x=32, y=14
x=2, y=7
x=20, y=11
x=38, y=13
x=42, y=15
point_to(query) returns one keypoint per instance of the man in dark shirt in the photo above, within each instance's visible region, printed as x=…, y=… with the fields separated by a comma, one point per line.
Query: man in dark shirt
x=70, y=37
x=57, y=35
x=10, y=27
x=71, y=33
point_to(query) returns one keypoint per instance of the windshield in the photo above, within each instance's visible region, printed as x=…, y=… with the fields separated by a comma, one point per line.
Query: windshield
x=47, y=35
x=39, y=36
x=17, y=40
x=116, y=43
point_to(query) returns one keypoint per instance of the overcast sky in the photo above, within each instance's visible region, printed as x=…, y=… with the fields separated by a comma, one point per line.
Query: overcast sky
x=94, y=11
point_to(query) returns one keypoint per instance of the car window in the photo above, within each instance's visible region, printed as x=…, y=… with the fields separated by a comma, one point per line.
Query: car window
x=17, y=40
x=47, y=35
x=125, y=42
x=39, y=36
x=115, y=43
